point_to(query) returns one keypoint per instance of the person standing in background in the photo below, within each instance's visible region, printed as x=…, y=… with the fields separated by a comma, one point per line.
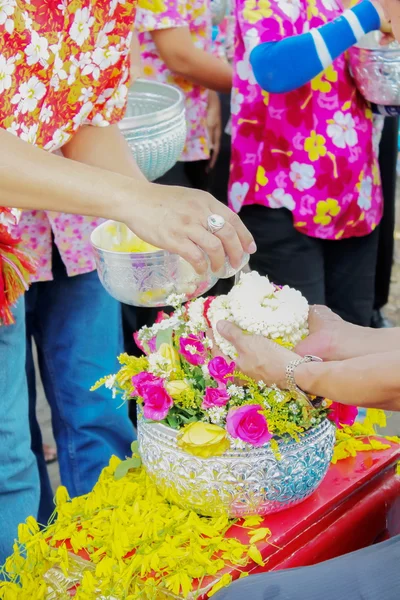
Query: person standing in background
x=388, y=152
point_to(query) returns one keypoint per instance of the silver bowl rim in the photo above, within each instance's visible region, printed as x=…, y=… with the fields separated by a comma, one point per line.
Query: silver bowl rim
x=159, y=116
x=141, y=255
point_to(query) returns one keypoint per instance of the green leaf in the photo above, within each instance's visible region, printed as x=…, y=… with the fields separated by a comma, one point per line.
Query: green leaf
x=125, y=466
x=164, y=337
x=172, y=421
x=135, y=447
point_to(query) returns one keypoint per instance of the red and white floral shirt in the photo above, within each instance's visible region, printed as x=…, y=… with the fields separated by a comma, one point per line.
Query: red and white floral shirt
x=63, y=64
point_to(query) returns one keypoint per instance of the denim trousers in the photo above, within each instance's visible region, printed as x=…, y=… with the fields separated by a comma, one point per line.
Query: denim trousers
x=77, y=330
x=19, y=479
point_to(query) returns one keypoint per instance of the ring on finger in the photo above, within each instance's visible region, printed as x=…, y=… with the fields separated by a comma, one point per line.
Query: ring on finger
x=215, y=223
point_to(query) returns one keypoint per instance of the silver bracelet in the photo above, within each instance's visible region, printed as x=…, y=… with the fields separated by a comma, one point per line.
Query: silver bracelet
x=290, y=380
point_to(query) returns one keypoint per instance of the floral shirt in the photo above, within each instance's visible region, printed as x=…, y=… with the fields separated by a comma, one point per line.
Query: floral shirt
x=62, y=65
x=310, y=150
x=167, y=14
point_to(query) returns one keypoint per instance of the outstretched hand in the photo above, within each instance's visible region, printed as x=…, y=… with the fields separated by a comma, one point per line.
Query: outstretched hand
x=325, y=328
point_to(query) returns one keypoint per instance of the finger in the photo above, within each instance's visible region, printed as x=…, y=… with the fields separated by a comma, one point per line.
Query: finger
x=216, y=148
x=192, y=253
x=232, y=333
x=210, y=244
x=244, y=235
x=231, y=243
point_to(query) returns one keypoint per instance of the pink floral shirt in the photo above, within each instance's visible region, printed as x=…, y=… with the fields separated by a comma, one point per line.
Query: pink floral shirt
x=196, y=15
x=310, y=150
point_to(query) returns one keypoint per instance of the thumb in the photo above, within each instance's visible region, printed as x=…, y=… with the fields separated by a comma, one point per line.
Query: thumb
x=231, y=332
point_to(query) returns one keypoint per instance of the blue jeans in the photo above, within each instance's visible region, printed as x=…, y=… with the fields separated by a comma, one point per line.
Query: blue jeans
x=19, y=480
x=76, y=326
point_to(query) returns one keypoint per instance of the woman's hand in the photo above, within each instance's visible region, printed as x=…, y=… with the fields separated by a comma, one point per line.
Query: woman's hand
x=214, y=126
x=175, y=219
x=258, y=358
x=327, y=331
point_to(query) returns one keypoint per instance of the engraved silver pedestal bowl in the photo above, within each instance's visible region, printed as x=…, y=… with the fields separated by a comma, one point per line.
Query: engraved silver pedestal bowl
x=238, y=483
x=155, y=126
x=148, y=278
x=219, y=10
x=376, y=70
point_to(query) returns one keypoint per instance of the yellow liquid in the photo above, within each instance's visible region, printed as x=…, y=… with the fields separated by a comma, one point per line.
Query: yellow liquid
x=129, y=242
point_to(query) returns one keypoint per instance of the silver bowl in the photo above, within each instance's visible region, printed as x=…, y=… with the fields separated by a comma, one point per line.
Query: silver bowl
x=238, y=483
x=218, y=10
x=148, y=278
x=155, y=126
x=376, y=70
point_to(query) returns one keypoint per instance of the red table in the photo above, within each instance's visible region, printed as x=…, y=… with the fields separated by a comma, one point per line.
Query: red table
x=358, y=504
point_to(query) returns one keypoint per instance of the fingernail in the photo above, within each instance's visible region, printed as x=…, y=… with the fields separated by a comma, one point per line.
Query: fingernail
x=252, y=248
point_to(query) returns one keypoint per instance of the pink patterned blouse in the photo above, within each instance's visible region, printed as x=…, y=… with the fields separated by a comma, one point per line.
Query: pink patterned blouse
x=311, y=151
x=195, y=14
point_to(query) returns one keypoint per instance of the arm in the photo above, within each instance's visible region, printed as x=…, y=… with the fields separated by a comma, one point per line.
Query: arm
x=371, y=381
x=173, y=218
x=136, y=60
x=181, y=56
x=288, y=64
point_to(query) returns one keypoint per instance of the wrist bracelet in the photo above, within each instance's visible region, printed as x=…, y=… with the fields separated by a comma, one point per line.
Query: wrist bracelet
x=290, y=380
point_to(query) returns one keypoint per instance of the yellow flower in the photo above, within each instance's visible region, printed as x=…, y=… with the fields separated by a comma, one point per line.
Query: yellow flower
x=253, y=14
x=315, y=146
x=170, y=354
x=176, y=388
x=322, y=82
x=203, y=439
x=261, y=177
x=326, y=209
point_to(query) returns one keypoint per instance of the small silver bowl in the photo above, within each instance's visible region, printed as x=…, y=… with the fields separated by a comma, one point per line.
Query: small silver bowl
x=148, y=278
x=218, y=10
x=376, y=70
x=155, y=126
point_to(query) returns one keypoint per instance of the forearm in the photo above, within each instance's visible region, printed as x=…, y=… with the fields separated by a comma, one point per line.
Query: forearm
x=283, y=66
x=31, y=178
x=352, y=341
x=369, y=381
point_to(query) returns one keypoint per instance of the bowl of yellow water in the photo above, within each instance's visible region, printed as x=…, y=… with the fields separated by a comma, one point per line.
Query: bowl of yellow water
x=137, y=273
x=154, y=126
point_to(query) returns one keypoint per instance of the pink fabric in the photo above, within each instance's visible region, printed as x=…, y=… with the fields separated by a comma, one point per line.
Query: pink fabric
x=179, y=13
x=310, y=150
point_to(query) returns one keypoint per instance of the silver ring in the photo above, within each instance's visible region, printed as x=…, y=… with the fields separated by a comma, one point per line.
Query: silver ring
x=215, y=223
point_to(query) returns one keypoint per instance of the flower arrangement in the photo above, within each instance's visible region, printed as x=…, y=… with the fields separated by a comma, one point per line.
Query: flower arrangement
x=183, y=383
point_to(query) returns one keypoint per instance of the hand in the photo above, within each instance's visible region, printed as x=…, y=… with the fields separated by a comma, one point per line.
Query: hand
x=214, y=126
x=136, y=60
x=258, y=358
x=326, y=330
x=175, y=219
x=389, y=14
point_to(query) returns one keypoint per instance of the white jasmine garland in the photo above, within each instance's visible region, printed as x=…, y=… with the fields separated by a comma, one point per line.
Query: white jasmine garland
x=175, y=300
x=159, y=365
x=257, y=306
x=197, y=321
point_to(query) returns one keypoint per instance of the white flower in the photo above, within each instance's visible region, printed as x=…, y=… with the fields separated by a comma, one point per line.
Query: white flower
x=93, y=70
x=45, y=114
x=14, y=127
x=37, y=50
x=237, y=444
x=236, y=101
x=244, y=71
x=217, y=414
x=60, y=137
x=29, y=94
x=110, y=384
x=81, y=117
x=7, y=8
x=206, y=372
x=158, y=365
x=365, y=196
x=238, y=194
x=302, y=176
x=58, y=73
x=62, y=7
x=342, y=130
x=72, y=74
x=102, y=38
x=99, y=121
x=330, y=4
x=80, y=28
x=291, y=8
x=105, y=57
x=279, y=199
x=8, y=219
x=29, y=134
x=118, y=98
x=197, y=321
x=86, y=94
x=28, y=20
x=114, y=4
x=235, y=391
x=7, y=68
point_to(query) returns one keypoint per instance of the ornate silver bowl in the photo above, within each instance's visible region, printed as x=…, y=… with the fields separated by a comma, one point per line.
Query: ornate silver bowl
x=239, y=483
x=155, y=126
x=376, y=70
x=148, y=279
x=218, y=10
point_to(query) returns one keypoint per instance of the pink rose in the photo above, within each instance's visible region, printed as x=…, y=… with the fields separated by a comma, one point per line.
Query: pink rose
x=193, y=350
x=142, y=379
x=248, y=424
x=342, y=414
x=215, y=397
x=221, y=370
x=157, y=401
x=151, y=344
